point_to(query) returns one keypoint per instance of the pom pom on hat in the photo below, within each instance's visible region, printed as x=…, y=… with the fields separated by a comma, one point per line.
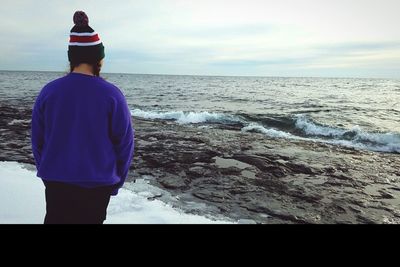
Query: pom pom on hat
x=85, y=45
x=81, y=19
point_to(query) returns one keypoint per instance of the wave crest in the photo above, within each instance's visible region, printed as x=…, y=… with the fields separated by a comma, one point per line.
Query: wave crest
x=188, y=117
x=283, y=128
x=356, y=136
x=254, y=127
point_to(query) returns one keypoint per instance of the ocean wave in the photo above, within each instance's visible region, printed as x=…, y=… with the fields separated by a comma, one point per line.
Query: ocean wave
x=299, y=127
x=311, y=128
x=354, y=137
x=365, y=141
x=355, y=133
x=182, y=117
x=274, y=121
x=254, y=127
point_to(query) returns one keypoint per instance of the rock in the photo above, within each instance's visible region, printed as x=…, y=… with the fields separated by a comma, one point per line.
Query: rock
x=385, y=195
x=341, y=177
x=192, y=157
x=255, y=176
x=260, y=207
x=256, y=161
x=246, y=221
x=230, y=171
x=154, y=197
x=217, y=196
x=330, y=170
x=364, y=219
x=198, y=171
x=276, y=171
x=238, y=190
x=172, y=182
x=301, y=168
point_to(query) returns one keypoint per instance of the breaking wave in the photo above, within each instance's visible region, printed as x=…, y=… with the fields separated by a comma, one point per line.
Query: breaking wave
x=299, y=127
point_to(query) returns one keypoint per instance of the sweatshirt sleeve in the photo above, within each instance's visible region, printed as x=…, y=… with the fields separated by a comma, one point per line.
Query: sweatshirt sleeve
x=122, y=136
x=37, y=131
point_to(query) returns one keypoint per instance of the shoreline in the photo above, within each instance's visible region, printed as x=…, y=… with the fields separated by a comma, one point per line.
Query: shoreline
x=22, y=202
x=247, y=175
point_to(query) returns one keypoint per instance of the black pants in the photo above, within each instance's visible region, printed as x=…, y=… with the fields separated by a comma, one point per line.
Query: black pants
x=70, y=204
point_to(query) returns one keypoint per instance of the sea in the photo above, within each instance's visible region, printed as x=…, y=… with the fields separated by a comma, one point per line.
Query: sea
x=350, y=112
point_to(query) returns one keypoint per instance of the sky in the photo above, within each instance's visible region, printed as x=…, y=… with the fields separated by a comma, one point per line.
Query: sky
x=295, y=38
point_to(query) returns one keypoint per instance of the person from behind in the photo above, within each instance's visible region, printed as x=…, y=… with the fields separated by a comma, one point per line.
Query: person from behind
x=82, y=135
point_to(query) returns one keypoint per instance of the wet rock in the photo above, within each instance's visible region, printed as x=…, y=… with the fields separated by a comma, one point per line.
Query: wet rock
x=154, y=197
x=303, y=196
x=270, y=184
x=259, y=162
x=330, y=170
x=386, y=195
x=341, y=177
x=230, y=171
x=279, y=214
x=355, y=209
x=276, y=171
x=189, y=157
x=153, y=161
x=173, y=182
x=242, y=175
x=239, y=190
x=301, y=168
x=337, y=208
x=217, y=196
x=198, y=171
x=365, y=220
x=246, y=221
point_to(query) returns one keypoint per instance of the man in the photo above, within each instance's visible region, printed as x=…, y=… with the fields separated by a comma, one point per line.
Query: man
x=82, y=137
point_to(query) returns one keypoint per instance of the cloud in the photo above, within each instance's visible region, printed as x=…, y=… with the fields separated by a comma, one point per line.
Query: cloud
x=253, y=37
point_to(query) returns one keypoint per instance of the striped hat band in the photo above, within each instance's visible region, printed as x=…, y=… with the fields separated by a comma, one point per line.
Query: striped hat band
x=84, y=39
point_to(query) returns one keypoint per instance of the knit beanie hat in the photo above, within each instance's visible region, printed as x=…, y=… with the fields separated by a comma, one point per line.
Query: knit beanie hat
x=84, y=43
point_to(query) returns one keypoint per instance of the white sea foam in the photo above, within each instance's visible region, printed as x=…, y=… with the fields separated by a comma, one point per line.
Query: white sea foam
x=186, y=117
x=310, y=128
x=363, y=140
x=354, y=137
x=254, y=127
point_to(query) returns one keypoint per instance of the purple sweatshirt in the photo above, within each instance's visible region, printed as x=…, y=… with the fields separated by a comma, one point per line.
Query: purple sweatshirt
x=82, y=132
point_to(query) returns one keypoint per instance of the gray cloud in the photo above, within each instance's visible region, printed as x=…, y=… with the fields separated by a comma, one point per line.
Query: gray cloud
x=174, y=37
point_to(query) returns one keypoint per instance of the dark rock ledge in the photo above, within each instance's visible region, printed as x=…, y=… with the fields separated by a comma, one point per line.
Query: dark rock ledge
x=247, y=175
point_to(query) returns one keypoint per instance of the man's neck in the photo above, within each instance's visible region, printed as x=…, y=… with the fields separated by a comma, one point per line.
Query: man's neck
x=84, y=69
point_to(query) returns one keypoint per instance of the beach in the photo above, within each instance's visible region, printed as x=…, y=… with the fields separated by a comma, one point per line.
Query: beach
x=244, y=175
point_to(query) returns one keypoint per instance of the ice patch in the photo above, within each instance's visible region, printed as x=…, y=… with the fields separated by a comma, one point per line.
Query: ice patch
x=22, y=200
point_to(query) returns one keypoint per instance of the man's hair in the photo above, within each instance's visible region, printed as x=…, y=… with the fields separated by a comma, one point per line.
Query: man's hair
x=96, y=66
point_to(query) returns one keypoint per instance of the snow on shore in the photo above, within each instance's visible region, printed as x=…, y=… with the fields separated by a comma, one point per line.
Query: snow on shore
x=22, y=201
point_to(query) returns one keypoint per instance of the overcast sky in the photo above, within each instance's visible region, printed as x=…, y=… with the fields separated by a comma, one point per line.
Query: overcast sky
x=335, y=38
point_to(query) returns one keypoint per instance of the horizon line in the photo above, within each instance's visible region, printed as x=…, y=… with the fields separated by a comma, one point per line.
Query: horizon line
x=216, y=75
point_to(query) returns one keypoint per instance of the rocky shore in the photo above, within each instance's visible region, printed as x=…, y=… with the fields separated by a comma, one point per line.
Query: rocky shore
x=246, y=175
